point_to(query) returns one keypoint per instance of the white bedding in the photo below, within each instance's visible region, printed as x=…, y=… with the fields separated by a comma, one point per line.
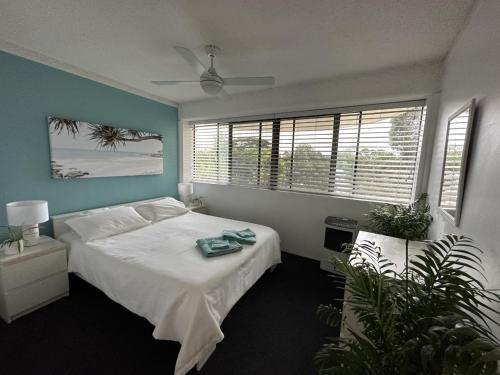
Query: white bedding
x=158, y=273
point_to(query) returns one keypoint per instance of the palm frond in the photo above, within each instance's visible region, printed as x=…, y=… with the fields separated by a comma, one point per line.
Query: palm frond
x=434, y=322
x=107, y=137
x=60, y=124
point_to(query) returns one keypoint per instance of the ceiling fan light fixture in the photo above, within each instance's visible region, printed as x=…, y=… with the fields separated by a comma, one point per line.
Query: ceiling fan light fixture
x=211, y=83
x=211, y=89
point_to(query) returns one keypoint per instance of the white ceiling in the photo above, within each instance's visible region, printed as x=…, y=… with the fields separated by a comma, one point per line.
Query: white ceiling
x=129, y=42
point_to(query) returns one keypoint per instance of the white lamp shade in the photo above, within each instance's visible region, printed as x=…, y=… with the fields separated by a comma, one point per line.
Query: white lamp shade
x=27, y=212
x=185, y=189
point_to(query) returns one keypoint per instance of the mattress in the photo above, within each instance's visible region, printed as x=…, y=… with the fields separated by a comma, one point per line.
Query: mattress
x=158, y=273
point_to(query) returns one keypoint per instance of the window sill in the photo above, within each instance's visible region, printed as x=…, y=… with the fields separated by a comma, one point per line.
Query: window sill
x=340, y=197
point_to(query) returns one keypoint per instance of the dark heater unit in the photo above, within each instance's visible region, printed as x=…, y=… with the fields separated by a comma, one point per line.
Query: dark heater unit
x=338, y=231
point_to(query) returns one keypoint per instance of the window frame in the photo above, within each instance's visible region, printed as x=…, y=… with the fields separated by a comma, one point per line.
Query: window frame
x=336, y=113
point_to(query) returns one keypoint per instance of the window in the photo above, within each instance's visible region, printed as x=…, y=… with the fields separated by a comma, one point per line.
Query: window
x=371, y=153
x=210, y=153
x=250, y=153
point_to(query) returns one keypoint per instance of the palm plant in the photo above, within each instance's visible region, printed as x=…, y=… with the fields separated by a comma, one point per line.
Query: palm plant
x=432, y=318
x=410, y=222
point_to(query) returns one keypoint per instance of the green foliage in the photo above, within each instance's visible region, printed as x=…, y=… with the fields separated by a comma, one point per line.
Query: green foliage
x=307, y=169
x=13, y=235
x=410, y=222
x=360, y=170
x=439, y=327
x=245, y=153
x=404, y=131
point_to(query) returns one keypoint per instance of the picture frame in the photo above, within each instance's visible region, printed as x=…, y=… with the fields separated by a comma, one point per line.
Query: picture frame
x=82, y=149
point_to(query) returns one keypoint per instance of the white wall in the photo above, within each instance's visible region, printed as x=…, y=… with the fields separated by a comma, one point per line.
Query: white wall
x=395, y=84
x=472, y=70
x=299, y=217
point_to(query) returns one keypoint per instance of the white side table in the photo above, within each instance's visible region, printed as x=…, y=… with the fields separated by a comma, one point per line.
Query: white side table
x=393, y=249
x=33, y=278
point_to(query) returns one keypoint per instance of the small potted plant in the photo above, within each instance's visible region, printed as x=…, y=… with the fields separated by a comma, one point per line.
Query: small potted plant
x=14, y=243
x=410, y=222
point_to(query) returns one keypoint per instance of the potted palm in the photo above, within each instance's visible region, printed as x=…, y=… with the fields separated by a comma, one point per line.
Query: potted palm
x=14, y=243
x=410, y=222
x=432, y=318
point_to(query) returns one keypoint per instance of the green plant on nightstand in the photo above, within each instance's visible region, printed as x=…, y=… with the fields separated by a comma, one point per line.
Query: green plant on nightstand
x=410, y=222
x=14, y=239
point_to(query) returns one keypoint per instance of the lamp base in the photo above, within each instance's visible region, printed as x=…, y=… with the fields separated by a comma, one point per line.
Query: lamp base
x=185, y=198
x=31, y=235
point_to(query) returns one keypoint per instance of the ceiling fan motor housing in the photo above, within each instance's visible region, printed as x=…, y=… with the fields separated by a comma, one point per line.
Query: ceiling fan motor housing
x=211, y=82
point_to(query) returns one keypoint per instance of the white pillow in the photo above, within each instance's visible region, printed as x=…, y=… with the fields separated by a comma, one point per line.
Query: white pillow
x=107, y=223
x=92, y=211
x=162, y=209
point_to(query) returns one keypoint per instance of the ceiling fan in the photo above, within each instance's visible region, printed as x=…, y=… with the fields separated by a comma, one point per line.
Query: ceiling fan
x=210, y=81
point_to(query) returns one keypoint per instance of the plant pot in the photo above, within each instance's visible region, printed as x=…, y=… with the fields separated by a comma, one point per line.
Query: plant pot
x=20, y=246
x=14, y=248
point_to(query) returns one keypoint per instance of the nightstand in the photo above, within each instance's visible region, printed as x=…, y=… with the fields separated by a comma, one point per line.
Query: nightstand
x=33, y=278
x=200, y=208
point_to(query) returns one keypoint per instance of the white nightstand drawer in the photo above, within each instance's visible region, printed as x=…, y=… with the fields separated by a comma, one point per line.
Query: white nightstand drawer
x=29, y=296
x=30, y=270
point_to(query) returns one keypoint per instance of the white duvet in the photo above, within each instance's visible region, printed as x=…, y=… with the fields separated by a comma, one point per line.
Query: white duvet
x=158, y=273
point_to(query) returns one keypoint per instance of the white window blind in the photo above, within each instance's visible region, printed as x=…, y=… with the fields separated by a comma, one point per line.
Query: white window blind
x=367, y=154
x=453, y=160
x=210, y=153
x=250, y=153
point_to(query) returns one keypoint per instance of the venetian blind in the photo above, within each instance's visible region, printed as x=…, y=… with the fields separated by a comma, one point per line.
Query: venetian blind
x=367, y=154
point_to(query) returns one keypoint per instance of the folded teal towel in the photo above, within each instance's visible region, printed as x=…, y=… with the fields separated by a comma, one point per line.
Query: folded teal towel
x=245, y=236
x=212, y=247
x=246, y=233
x=219, y=244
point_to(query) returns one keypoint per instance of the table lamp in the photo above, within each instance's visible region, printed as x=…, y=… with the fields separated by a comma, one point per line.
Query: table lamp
x=185, y=190
x=28, y=214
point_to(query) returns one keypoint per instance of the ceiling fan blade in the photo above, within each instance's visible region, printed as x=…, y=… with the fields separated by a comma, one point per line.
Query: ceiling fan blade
x=224, y=95
x=249, y=81
x=175, y=83
x=191, y=58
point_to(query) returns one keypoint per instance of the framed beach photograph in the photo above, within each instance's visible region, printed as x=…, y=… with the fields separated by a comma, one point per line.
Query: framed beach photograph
x=84, y=150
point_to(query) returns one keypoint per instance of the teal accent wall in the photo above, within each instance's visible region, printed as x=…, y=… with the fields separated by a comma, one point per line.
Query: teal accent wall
x=29, y=92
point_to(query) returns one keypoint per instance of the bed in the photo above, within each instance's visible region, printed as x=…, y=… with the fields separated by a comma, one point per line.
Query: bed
x=158, y=273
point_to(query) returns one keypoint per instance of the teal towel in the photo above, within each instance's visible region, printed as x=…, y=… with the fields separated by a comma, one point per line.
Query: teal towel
x=245, y=236
x=211, y=247
x=246, y=233
x=219, y=244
